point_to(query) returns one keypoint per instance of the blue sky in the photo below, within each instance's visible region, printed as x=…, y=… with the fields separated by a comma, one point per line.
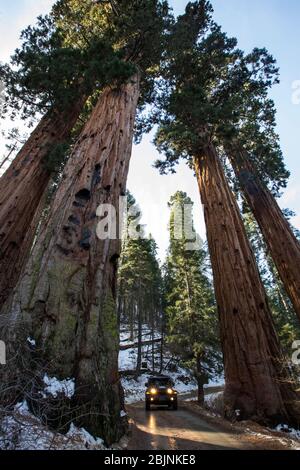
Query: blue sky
x=274, y=24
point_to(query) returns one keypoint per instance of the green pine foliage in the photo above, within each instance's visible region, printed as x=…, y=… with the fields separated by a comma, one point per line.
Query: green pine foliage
x=192, y=323
x=82, y=46
x=211, y=91
x=139, y=281
x=49, y=73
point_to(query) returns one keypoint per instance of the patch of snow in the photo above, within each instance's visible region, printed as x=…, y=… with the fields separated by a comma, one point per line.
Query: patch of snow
x=123, y=414
x=290, y=431
x=22, y=408
x=54, y=386
x=127, y=359
x=209, y=399
x=21, y=430
x=285, y=442
x=146, y=333
x=89, y=441
x=134, y=390
x=31, y=341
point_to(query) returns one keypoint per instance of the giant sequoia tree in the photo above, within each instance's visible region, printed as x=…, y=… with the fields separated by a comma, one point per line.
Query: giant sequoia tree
x=202, y=94
x=245, y=129
x=50, y=76
x=253, y=149
x=286, y=321
x=66, y=295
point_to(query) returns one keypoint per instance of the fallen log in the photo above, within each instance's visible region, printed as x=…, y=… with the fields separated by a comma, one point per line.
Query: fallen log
x=124, y=347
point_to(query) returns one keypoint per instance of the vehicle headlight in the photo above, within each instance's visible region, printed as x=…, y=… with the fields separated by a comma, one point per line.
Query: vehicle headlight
x=153, y=391
x=170, y=391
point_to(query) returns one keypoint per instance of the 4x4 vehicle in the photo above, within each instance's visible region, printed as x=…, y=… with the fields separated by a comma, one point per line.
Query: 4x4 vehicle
x=160, y=391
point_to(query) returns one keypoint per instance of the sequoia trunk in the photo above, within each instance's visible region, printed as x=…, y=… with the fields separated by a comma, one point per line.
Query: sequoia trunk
x=283, y=246
x=68, y=289
x=21, y=189
x=257, y=382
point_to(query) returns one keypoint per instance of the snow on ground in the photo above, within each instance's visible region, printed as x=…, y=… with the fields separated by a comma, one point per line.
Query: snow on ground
x=146, y=332
x=135, y=389
x=290, y=431
x=55, y=387
x=291, y=441
x=211, y=398
x=127, y=357
x=214, y=403
x=22, y=431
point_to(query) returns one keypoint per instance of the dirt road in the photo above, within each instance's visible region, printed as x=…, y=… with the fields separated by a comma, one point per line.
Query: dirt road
x=162, y=429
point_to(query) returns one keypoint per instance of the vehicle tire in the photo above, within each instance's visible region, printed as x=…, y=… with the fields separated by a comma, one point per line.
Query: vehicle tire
x=148, y=406
x=175, y=406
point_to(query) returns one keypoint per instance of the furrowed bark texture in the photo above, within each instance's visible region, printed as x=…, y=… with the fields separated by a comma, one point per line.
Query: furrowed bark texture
x=257, y=382
x=67, y=291
x=283, y=246
x=21, y=189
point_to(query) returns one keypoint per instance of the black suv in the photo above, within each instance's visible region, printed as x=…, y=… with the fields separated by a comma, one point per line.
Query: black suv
x=160, y=391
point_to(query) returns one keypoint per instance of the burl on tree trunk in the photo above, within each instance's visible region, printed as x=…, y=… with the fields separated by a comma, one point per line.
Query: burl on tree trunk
x=283, y=246
x=257, y=382
x=67, y=291
x=21, y=192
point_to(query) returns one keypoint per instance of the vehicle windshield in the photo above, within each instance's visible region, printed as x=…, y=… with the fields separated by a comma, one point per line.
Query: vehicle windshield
x=164, y=382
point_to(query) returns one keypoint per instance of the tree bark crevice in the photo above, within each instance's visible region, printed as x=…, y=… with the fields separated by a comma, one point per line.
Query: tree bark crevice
x=22, y=188
x=70, y=268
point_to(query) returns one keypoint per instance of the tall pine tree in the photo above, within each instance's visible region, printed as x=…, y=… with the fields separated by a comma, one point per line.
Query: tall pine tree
x=191, y=315
x=140, y=289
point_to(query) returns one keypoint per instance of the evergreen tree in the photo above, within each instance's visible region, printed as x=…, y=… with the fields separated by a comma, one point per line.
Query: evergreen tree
x=192, y=325
x=139, y=280
x=233, y=109
x=51, y=76
x=204, y=83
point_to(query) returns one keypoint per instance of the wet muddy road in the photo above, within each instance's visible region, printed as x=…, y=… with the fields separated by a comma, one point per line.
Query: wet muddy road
x=162, y=429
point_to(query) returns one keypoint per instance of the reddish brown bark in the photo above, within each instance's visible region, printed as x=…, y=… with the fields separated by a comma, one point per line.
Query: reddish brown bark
x=283, y=246
x=21, y=189
x=67, y=291
x=257, y=382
